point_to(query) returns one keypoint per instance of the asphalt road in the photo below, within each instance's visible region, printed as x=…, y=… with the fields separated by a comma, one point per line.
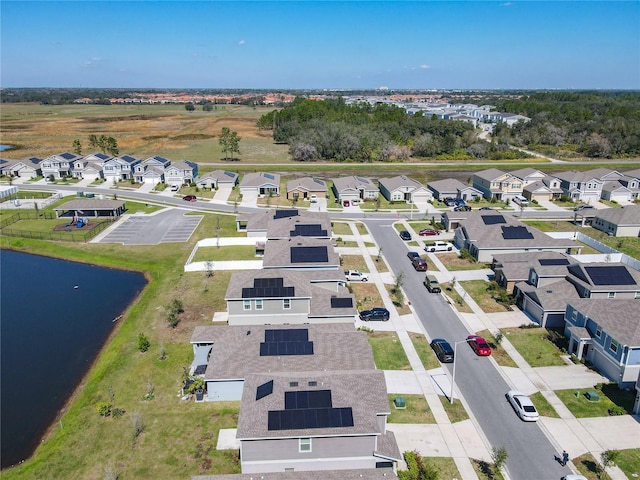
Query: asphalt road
x=531, y=454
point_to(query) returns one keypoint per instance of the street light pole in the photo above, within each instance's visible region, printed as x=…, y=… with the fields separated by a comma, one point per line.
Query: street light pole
x=453, y=376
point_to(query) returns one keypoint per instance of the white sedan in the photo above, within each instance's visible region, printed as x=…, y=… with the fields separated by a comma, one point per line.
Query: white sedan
x=522, y=405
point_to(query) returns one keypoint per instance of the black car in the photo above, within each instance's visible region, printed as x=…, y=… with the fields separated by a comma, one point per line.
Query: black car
x=486, y=208
x=582, y=207
x=462, y=208
x=442, y=349
x=381, y=314
x=405, y=235
x=413, y=255
x=449, y=201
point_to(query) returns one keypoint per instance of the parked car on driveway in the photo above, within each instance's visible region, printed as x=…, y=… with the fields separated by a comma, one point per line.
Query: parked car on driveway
x=175, y=188
x=189, y=198
x=479, y=345
x=462, y=208
x=573, y=476
x=404, y=235
x=449, y=201
x=427, y=232
x=419, y=264
x=346, y=203
x=522, y=405
x=373, y=314
x=438, y=246
x=355, y=275
x=432, y=284
x=442, y=349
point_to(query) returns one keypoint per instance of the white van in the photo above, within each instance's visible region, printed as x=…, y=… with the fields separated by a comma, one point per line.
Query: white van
x=520, y=200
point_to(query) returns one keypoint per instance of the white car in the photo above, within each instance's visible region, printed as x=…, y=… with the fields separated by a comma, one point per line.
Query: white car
x=574, y=477
x=355, y=275
x=438, y=246
x=523, y=406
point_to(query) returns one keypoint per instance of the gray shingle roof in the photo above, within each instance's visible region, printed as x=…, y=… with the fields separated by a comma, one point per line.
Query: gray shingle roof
x=552, y=297
x=619, y=318
x=257, y=179
x=400, y=181
x=277, y=253
x=580, y=275
x=353, y=182
x=291, y=278
x=628, y=215
x=222, y=176
x=490, y=174
x=307, y=183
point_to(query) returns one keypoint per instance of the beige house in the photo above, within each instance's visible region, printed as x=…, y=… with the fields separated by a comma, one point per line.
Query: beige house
x=303, y=188
x=494, y=183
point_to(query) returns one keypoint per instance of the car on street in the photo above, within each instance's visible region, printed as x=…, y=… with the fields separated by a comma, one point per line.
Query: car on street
x=356, y=275
x=485, y=208
x=189, y=198
x=432, y=284
x=413, y=255
x=404, y=235
x=573, y=476
x=523, y=406
x=346, y=203
x=442, y=349
x=462, y=208
x=479, y=345
x=381, y=314
x=419, y=264
x=427, y=232
x=438, y=246
x=582, y=207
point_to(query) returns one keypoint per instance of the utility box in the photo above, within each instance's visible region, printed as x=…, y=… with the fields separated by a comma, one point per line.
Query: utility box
x=400, y=403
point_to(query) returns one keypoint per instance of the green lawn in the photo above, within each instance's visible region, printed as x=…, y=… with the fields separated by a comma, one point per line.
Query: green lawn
x=353, y=262
x=427, y=357
x=446, y=467
x=497, y=352
x=457, y=300
x=416, y=411
x=388, y=353
x=483, y=297
x=534, y=345
x=610, y=396
x=455, y=411
x=367, y=295
x=454, y=262
x=543, y=406
x=552, y=225
x=485, y=470
x=341, y=228
x=234, y=252
x=629, y=462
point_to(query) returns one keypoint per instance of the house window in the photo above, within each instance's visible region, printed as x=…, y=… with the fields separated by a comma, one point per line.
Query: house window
x=574, y=315
x=286, y=303
x=613, y=346
x=258, y=304
x=611, y=295
x=599, y=331
x=246, y=304
x=305, y=445
x=637, y=295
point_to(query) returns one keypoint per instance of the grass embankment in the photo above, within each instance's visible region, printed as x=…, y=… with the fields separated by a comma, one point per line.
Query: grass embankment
x=179, y=437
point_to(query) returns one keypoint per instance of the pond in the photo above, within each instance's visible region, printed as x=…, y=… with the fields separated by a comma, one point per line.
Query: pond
x=56, y=316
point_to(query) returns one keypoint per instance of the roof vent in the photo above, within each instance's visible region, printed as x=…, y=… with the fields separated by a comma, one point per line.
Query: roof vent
x=248, y=332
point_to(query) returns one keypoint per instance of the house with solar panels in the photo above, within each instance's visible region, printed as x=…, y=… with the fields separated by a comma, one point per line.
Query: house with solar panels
x=151, y=170
x=404, y=189
x=119, y=168
x=27, y=168
x=224, y=355
x=261, y=183
x=90, y=166
x=354, y=188
x=303, y=188
x=59, y=166
x=512, y=268
x=301, y=253
x=217, y=178
x=181, y=173
x=322, y=420
x=606, y=335
x=286, y=296
x=488, y=233
x=275, y=224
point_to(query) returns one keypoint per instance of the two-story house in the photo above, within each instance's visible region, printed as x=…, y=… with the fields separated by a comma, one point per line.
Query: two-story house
x=59, y=166
x=580, y=186
x=119, y=168
x=608, y=336
x=494, y=183
x=181, y=173
x=151, y=170
x=315, y=421
x=90, y=166
x=544, y=189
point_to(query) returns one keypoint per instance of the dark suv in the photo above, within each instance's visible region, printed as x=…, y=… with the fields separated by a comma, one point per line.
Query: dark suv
x=381, y=314
x=405, y=235
x=443, y=350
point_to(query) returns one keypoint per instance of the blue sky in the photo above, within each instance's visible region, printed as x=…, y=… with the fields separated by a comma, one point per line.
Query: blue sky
x=321, y=44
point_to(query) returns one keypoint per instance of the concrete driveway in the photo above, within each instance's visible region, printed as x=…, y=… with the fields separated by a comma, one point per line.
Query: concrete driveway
x=319, y=206
x=222, y=194
x=249, y=199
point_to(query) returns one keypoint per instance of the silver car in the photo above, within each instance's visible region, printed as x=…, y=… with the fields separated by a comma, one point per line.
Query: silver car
x=523, y=406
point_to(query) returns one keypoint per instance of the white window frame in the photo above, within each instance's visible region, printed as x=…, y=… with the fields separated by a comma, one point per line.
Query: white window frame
x=286, y=303
x=574, y=315
x=598, y=331
x=611, y=345
x=304, y=445
x=246, y=305
x=259, y=304
x=637, y=295
x=611, y=295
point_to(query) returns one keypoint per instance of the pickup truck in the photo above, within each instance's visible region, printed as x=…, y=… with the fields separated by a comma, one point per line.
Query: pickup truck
x=357, y=276
x=438, y=246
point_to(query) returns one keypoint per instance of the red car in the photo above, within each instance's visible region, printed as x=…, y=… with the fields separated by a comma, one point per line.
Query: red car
x=428, y=232
x=479, y=345
x=419, y=264
x=189, y=198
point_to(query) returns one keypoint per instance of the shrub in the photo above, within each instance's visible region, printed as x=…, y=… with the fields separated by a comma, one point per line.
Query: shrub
x=104, y=409
x=117, y=412
x=464, y=254
x=143, y=343
x=615, y=411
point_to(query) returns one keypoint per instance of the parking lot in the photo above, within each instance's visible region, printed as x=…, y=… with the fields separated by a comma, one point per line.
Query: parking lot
x=167, y=226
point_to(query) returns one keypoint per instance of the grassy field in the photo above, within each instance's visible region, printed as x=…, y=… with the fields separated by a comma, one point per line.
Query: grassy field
x=388, y=353
x=534, y=345
x=353, y=262
x=367, y=295
x=235, y=252
x=477, y=289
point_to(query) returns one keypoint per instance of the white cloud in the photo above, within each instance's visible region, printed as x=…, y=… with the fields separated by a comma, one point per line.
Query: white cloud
x=241, y=42
x=424, y=66
x=506, y=4
x=90, y=63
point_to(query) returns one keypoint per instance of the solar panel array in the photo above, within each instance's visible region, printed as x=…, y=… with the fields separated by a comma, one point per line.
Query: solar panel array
x=286, y=342
x=553, y=261
x=230, y=174
x=493, y=219
x=610, y=275
x=308, y=230
x=309, y=409
x=269, y=176
x=516, y=233
x=341, y=302
x=268, y=288
x=200, y=369
x=285, y=214
x=319, y=182
x=309, y=254
x=264, y=390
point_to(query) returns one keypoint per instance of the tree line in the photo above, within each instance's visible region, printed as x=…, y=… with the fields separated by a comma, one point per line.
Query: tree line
x=594, y=124
x=332, y=130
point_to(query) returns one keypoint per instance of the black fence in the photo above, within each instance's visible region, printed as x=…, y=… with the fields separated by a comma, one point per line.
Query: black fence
x=71, y=234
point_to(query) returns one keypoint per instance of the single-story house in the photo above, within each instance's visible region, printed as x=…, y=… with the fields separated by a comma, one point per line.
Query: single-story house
x=27, y=168
x=260, y=183
x=301, y=253
x=303, y=188
x=451, y=187
x=619, y=222
x=354, y=188
x=404, y=189
x=217, y=178
x=315, y=421
x=546, y=305
x=607, y=336
x=285, y=223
